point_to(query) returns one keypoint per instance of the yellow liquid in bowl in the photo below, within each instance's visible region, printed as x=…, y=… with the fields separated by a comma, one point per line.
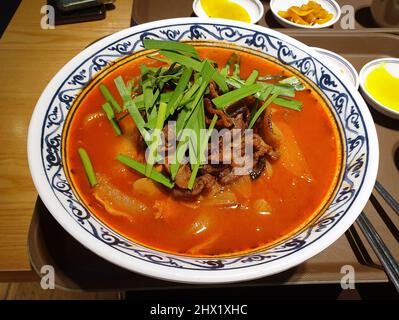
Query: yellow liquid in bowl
x=383, y=87
x=225, y=9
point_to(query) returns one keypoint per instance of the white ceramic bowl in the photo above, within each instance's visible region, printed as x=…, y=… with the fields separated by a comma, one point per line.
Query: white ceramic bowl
x=359, y=168
x=369, y=98
x=253, y=7
x=344, y=67
x=329, y=5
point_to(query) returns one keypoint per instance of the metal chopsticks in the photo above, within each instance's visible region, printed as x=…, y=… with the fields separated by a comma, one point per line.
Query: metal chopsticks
x=384, y=255
x=387, y=197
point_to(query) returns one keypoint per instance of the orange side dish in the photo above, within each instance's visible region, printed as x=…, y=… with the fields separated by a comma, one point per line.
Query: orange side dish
x=245, y=215
x=308, y=14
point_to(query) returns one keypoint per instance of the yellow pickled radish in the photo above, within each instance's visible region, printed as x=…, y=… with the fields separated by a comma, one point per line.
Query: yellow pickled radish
x=225, y=9
x=383, y=86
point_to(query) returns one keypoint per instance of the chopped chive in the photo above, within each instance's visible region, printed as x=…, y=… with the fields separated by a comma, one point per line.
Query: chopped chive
x=129, y=86
x=196, y=65
x=116, y=127
x=220, y=81
x=229, y=98
x=178, y=92
x=261, y=109
x=190, y=92
x=195, y=126
x=108, y=96
x=124, y=93
x=207, y=72
x=236, y=70
x=204, y=145
x=267, y=89
x=131, y=107
x=174, y=166
x=252, y=77
x=158, y=59
x=287, y=91
x=291, y=104
x=182, y=60
x=108, y=111
x=271, y=77
x=87, y=166
x=233, y=60
x=293, y=81
x=139, y=167
x=155, y=143
x=225, y=70
x=234, y=82
x=170, y=45
x=152, y=119
x=138, y=119
x=111, y=117
x=163, y=97
x=147, y=89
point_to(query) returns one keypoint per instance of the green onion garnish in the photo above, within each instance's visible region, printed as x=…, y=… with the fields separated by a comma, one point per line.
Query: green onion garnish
x=124, y=93
x=261, y=109
x=190, y=92
x=139, y=167
x=186, y=117
x=229, y=98
x=108, y=111
x=167, y=61
x=271, y=77
x=156, y=138
x=87, y=166
x=108, y=96
x=111, y=117
x=203, y=146
x=138, y=119
x=293, y=81
x=252, y=77
x=131, y=107
x=291, y=104
x=170, y=45
x=182, y=60
x=179, y=90
x=195, y=65
x=147, y=89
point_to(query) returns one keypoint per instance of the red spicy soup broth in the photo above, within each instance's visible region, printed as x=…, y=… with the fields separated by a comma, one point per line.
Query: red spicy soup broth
x=246, y=215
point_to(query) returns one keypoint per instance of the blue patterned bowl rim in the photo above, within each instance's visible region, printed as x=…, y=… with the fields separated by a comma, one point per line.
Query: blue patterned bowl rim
x=349, y=109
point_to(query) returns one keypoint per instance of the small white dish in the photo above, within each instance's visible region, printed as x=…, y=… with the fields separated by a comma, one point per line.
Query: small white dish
x=344, y=67
x=329, y=5
x=392, y=65
x=253, y=7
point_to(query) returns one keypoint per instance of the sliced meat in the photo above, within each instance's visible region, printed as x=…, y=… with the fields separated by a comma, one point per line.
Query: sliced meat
x=258, y=168
x=269, y=131
x=213, y=89
x=241, y=120
x=261, y=148
x=202, y=183
x=224, y=120
x=183, y=176
x=168, y=145
x=227, y=176
x=214, y=169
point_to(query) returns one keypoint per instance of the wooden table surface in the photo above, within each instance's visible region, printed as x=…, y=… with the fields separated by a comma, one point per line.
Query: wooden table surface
x=30, y=56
